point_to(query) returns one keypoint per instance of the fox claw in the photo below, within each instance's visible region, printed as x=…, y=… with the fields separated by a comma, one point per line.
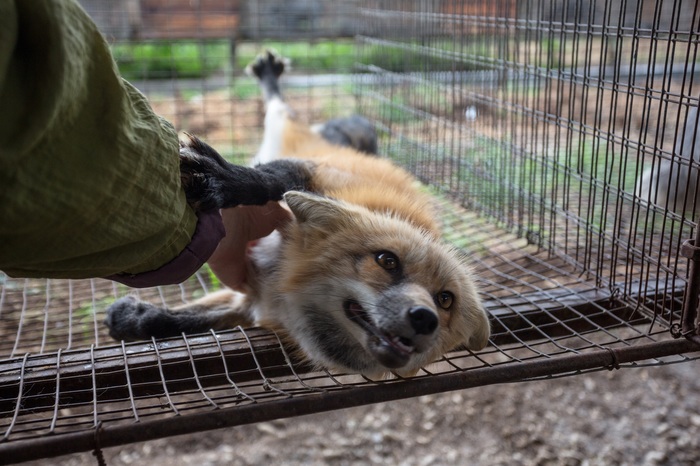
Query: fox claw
x=200, y=168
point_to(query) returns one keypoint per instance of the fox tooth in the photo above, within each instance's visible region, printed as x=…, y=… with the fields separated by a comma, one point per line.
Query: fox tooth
x=397, y=341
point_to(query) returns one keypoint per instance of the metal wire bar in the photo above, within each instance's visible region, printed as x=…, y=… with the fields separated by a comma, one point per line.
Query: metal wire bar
x=289, y=407
x=17, y=401
x=57, y=395
x=166, y=392
x=253, y=360
x=196, y=378
x=129, y=385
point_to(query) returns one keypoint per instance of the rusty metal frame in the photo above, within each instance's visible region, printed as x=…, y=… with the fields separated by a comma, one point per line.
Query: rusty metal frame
x=104, y=435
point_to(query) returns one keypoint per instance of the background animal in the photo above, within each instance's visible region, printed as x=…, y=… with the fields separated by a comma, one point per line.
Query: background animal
x=673, y=184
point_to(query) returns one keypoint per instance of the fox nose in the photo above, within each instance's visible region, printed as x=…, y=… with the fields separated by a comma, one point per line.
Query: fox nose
x=423, y=320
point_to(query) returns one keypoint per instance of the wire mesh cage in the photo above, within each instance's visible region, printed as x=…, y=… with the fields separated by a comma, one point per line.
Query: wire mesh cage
x=559, y=140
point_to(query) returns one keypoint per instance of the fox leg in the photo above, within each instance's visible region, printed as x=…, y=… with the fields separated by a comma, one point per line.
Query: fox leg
x=267, y=68
x=355, y=131
x=131, y=319
x=211, y=182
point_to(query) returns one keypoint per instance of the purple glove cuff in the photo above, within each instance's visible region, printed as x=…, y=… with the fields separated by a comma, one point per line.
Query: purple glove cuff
x=209, y=231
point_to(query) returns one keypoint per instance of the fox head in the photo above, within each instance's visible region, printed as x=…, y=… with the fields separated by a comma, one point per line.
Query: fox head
x=369, y=292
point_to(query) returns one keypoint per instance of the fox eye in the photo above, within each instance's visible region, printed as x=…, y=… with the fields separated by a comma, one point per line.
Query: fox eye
x=444, y=299
x=387, y=260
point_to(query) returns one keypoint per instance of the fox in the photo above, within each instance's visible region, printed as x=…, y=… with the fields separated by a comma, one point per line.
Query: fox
x=359, y=281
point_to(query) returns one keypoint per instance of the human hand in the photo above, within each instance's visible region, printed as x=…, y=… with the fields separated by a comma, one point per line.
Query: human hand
x=243, y=224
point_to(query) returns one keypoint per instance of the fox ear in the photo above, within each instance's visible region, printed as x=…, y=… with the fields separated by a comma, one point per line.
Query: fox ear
x=316, y=210
x=482, y=332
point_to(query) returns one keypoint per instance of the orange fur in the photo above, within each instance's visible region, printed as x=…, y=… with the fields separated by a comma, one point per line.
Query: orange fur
x=346, y=174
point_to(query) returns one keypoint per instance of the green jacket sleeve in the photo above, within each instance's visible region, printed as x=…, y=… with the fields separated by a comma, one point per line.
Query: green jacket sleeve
x=89, y=175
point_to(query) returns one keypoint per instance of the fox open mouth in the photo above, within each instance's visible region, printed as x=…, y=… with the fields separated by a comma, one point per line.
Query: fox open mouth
x=392, y=351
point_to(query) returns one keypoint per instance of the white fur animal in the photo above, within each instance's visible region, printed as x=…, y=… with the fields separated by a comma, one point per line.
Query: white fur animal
x=673, y=184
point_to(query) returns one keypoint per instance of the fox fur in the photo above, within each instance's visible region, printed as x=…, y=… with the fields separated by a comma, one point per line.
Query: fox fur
x=359, y=281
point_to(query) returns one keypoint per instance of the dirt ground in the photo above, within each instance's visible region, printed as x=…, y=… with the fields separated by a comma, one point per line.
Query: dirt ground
x=640, y=416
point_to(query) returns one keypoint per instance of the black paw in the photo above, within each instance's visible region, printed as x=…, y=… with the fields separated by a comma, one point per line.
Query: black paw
x=201, y=173
x=267, y=64
x=210, y=182
x=129, y=319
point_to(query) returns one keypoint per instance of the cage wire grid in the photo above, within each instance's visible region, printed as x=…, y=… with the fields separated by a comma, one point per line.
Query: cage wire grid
x=531, y=122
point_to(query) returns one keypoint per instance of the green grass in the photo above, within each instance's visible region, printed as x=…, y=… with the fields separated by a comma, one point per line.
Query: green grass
x=341, y=56
x=198, y=59
x=429, y=55
x=191, y=59
x=170, y=59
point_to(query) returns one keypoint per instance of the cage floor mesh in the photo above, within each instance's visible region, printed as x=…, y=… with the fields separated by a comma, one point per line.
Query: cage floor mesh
x=65, y=386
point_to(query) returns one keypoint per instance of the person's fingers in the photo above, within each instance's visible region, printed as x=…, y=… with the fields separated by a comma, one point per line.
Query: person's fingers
x=243, y=224
x=263, y=220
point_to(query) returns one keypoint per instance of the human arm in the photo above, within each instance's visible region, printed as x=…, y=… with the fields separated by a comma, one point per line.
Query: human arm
x=89, y=175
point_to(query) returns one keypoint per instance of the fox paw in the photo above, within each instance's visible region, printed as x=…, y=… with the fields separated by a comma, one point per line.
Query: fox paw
x=129, y=319
x=201, y=173
x=210, y=182
x=266, y=64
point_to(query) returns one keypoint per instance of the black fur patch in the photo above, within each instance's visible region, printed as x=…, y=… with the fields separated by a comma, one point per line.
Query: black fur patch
x=353, y=131
x=325, y=331
x=210, y=182
x=130, y=319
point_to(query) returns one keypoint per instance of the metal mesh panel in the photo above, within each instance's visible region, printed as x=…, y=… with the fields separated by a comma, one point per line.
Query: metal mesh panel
x=532, y=123
x=543, y=116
